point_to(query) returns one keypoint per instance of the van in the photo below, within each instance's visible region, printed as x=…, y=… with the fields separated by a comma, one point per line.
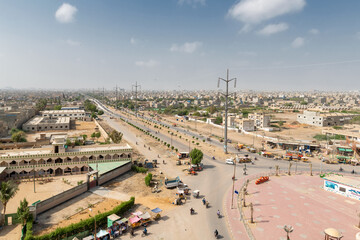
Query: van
x=230, y=161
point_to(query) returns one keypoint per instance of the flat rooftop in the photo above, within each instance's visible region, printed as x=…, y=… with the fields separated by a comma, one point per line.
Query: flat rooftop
x=344, y=180
x=44, y=120
x=28, y=152
x=62, y=111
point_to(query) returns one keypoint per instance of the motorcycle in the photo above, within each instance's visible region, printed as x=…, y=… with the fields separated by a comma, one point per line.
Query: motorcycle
x=192, y=211
x=216, y=233
x=218, y=214
x=341, y=169
x=213, y=158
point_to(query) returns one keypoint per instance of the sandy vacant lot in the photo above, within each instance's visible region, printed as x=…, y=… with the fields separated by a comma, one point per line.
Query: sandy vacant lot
x=81, y=128
x=125, y=186
x=45, y=188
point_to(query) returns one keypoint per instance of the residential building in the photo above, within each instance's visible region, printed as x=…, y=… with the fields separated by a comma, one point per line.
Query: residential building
x=325, y=119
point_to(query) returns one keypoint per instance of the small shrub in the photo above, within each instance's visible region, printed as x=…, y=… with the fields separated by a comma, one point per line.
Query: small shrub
x=148, y=179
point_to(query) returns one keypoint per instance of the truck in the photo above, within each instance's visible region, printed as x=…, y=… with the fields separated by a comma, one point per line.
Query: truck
x=182, y=155
x=172, y=183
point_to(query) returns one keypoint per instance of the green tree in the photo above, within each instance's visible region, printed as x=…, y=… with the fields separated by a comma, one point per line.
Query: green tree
x=116, y=136
x=41, y=104
x=196, y=156
x=100, y=112
x=57, y=107
x=218, y=120
x=84, y=137
x=18, y=136
x=212, y=109
x=14, y=130
x=23, y=212
x=7, y=191
x=93, y=135
x=98, y=135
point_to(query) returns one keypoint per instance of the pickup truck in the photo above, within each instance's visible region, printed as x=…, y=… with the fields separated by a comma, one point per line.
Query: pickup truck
x=172, y=183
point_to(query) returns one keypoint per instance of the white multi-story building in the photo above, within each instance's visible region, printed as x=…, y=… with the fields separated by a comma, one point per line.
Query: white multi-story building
x=325, y=119
x=72, y=114
x=261, y=120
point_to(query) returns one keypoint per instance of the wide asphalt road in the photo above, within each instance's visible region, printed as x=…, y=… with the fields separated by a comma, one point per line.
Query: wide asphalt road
x=215, y=181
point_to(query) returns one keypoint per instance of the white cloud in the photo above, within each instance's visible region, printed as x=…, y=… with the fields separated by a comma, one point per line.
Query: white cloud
x=273, y=28
x=150, y=63
x=256, y=11
x=298, y=42
x=314, y=31
x=72, y=42
x=193, y=3
x=66, y=13
x=188, y=47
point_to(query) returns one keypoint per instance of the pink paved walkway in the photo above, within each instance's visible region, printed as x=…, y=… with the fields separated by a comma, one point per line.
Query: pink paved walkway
x=236, y=227
x=298, y=201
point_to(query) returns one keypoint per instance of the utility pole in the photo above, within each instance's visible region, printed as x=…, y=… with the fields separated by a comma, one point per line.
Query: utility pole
x=116, y=96
x=136, y=86
x=227, y=80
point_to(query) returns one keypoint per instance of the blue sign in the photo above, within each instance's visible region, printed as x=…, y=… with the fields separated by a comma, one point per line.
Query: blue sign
x=236, y=192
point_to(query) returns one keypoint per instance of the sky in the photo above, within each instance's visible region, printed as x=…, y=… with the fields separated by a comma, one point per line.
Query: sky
x=180, y=44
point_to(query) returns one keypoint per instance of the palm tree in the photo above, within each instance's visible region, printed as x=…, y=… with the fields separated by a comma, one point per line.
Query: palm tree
x=7, y=191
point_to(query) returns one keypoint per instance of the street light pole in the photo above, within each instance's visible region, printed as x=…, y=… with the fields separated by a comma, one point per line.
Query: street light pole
x=94, y=222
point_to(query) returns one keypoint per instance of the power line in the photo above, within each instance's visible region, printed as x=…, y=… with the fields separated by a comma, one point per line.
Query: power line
x=136, y=86
x=227, y=80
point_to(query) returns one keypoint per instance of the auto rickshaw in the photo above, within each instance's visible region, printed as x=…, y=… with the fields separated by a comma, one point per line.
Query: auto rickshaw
x=196, y=193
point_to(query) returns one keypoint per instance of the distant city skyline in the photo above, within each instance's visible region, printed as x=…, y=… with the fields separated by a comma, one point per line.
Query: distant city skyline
x=290, y=45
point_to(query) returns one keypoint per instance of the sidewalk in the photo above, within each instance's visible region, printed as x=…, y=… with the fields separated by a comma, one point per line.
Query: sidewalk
x=235, y=224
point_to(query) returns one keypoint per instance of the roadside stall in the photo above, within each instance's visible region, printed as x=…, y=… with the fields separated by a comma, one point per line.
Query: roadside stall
x=103, y=235
x=156, y=212
x=134, y=221
x=120, y=226
x=111, y=219
x=145, y=218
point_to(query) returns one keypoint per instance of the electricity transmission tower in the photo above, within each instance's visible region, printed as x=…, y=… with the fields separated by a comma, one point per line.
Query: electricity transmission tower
x=136, y=86
x=226, y=94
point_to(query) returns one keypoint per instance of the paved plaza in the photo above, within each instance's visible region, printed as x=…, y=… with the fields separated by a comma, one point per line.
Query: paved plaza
x=301, y=202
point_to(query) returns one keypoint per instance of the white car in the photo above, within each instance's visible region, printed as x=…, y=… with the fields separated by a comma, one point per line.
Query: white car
x=230, y=161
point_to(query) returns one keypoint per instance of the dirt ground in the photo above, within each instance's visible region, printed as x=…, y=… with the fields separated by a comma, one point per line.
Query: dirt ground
x=81, y=128
x=131, y=184
x=45, y=188
x=10, y=232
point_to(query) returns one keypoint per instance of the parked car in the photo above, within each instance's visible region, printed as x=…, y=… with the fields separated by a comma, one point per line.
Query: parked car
x=230, y=161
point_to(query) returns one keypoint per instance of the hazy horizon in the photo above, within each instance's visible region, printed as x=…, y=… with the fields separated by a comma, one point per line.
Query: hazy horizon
x=294, y=45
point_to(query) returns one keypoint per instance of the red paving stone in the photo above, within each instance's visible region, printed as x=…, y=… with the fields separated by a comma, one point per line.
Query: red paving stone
x=301, y=202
